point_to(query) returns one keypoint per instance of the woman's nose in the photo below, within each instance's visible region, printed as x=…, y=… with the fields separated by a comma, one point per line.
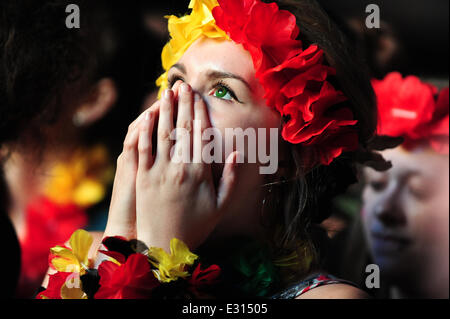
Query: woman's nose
x=390, y=211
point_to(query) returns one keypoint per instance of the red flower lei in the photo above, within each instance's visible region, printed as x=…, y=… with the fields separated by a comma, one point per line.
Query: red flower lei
x=56, y=281
x=48, y=223
x=131, y=280
x=294, y=79
x=413, y=110
x=72, y=187
x=125, y=274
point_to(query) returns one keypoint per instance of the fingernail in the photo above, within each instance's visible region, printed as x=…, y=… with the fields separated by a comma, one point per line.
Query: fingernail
x=185, y=88
x=239, y=158
x=167, y=93
x=197, y=97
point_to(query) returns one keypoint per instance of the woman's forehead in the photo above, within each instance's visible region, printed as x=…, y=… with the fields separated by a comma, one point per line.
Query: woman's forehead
x=421, y=162
x=206, y=54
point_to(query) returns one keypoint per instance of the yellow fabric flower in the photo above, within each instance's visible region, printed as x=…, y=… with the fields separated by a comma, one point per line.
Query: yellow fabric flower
x=72, y=289
x=185, y=31
x=88, y=192
x=72, y=293
x=171, y=267
x=75, y=259
x=82, y=180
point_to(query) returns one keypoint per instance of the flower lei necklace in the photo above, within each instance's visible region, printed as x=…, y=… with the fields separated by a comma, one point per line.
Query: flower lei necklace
x=294, y=79
x=127, y=273
x=133, y=271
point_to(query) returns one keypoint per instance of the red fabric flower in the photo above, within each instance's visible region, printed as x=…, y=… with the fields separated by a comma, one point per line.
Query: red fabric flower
x=402, y=103
x=294, y=80
x=47, y=224
x=114, y=254
x=233, y=24
x=55, y=283
x=204, y=277
x=409, y=108
x=131, y=280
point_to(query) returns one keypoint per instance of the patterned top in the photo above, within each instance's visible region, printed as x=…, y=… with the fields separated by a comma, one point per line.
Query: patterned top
x=313, y=281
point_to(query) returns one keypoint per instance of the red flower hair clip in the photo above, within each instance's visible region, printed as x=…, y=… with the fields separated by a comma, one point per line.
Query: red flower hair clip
x=413, y=110
x=294, y=80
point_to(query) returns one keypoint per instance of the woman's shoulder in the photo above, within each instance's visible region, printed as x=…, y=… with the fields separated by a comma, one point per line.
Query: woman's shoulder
x=335, y=291
x=322, y=286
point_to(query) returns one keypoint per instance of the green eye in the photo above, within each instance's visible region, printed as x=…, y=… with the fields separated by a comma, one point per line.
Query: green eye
x=223, y=93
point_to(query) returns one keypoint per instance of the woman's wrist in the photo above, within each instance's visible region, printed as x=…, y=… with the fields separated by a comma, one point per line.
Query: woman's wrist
x=155, y=240
x=119, y=229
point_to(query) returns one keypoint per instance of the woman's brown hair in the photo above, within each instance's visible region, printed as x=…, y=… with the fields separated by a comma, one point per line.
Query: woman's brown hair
x=296, y=205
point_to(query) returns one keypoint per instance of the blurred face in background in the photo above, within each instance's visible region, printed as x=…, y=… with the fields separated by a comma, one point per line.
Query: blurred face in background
x=406, y=216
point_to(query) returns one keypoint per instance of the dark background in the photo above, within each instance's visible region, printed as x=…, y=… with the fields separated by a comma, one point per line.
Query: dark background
x=420, y=27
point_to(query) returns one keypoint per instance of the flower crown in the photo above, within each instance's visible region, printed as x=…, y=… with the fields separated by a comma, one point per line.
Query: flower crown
x=294, y=79
x=413, y=110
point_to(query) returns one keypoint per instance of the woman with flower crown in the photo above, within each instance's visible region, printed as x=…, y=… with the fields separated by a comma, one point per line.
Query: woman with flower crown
x=406, y=209
x=196, y=228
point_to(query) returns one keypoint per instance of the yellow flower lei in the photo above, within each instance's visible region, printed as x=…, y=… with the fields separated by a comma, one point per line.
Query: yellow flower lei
x=82, y=180
x=75, y=260
x=185, y=31
x=171, y=267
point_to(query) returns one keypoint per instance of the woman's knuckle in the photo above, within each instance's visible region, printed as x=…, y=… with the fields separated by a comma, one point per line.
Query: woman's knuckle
x=127, y=146
x=179, y=174
x=164, y=135
x=166, y=107
x=187, y=125
x=143, y=148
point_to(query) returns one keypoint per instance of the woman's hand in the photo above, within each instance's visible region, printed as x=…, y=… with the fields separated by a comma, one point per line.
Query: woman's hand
x=175, y=198
x=122, y=210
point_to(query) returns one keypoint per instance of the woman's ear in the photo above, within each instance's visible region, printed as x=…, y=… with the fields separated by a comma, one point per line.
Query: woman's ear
x=97, y=104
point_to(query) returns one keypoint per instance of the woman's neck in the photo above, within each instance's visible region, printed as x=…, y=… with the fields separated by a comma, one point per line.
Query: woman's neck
x=243, y=219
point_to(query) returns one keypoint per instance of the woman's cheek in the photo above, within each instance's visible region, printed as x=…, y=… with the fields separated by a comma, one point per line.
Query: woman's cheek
x=431, y=219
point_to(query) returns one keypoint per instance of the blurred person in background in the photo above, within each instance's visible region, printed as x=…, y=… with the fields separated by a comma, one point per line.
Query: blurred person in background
x=66, y=98
x=412, y=39
x=153, y=15
x=406, y=209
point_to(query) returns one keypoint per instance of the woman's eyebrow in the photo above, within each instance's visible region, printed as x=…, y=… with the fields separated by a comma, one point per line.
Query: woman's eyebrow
x=226, y=75
x=180, y=67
